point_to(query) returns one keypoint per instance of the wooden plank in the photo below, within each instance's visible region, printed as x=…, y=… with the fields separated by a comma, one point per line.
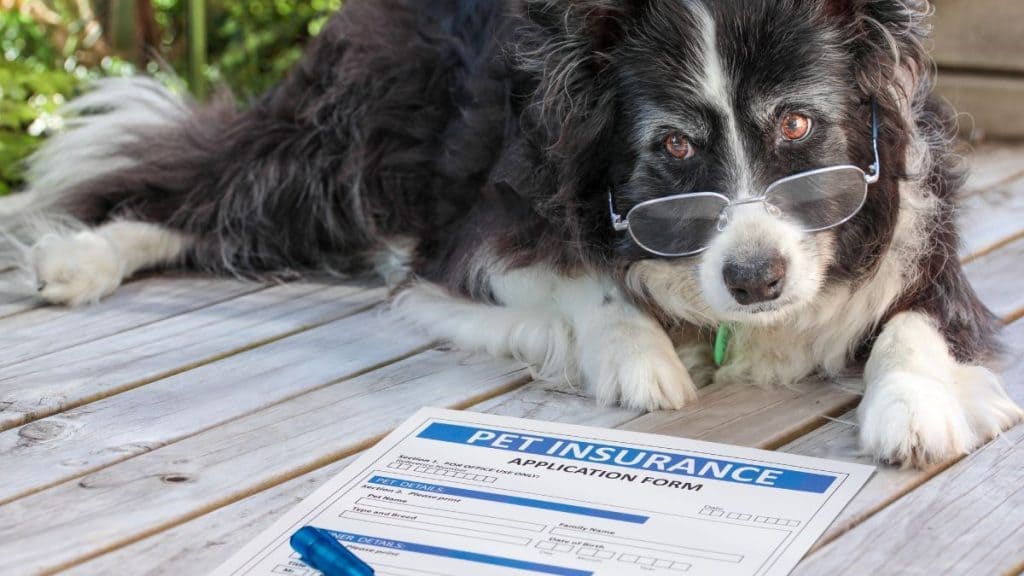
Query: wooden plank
x=990, y=218
x=753, y=416
x=838, y=440
x=207, y=541
x=38, y=332
x=202, y=544
x=556, y=403
x=15, y=294
x=94, y=370
x=79, y=441
x=962, y=521
x=199, y=546
x=982, y=34
x=996, y=278
x=993, y=165
x=992, y=103
x=146, y=494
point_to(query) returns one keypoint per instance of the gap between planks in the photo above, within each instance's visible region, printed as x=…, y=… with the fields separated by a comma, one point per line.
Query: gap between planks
x=58, y=449
x=121, y=504
x=92, y=371
x=991, y=218
x=40, y=331
x=994, y=276
x=889, y=485
x=992, y=166
x=961, y=520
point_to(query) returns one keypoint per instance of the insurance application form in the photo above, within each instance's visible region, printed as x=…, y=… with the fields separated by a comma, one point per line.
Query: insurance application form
x=466, y=494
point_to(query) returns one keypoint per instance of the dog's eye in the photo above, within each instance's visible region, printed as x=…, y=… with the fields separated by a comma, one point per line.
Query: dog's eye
x=796, y=127
x=679, y=147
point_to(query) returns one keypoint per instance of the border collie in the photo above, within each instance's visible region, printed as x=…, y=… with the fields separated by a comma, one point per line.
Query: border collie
x=591, y=186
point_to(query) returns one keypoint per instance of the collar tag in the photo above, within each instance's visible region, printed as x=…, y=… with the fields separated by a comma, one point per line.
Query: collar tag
x=722, y=338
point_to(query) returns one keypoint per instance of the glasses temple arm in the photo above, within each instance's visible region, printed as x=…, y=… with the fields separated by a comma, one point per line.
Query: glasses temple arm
x=876, y=168
x=617, y=222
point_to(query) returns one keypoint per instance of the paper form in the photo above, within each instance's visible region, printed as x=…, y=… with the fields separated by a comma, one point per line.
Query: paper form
x=465, y=494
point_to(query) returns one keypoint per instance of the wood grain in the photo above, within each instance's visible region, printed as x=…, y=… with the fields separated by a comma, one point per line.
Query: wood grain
x=153, y=491
x=42, y=331
x=993, y=165
x=15, y=294
x=556, y=403
x=838, y=440
x=996, y=278
x=79, y=441
x=979, y=34
x=966, y=520
x=199, y=546
x=990, y=105
x=204, y=543
x=71, y=377
x=753, y=416
x=992, y=217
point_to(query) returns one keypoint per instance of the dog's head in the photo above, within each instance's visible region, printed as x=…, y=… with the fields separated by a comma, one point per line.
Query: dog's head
x=729, y=97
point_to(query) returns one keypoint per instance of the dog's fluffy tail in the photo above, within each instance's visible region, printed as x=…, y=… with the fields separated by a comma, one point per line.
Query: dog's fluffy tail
x=100, y=128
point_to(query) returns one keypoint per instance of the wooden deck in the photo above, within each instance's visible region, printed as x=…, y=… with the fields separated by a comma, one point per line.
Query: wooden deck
x=159, y=431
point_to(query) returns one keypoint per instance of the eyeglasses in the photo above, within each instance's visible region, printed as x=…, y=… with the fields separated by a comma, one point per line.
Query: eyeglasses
x=685, y=224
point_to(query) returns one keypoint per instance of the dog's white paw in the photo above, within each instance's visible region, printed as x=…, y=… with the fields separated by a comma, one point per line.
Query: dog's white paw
x=989, y=409
x=917, y=420
x=639, y=371
x=76, y=269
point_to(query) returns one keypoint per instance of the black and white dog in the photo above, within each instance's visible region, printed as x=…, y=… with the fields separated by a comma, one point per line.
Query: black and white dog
x=589, y=185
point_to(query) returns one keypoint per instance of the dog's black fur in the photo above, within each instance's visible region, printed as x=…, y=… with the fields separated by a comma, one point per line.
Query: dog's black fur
x=487, y=125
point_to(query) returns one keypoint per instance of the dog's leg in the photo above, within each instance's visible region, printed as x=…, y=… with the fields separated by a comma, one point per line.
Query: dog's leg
x=82, y=267
x=921, y=406
x=534, y=335
x=625, y=356
x=563, y=327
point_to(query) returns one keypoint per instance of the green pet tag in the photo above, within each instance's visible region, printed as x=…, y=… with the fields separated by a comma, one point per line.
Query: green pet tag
x=722, y=343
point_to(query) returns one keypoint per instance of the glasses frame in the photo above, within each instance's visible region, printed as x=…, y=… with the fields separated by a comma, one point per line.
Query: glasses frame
x=621, y=224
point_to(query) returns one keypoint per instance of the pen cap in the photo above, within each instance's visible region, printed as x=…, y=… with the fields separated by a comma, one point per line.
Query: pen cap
x=323, y=552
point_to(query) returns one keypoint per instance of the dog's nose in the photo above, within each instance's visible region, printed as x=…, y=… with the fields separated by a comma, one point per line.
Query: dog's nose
x=758, y=280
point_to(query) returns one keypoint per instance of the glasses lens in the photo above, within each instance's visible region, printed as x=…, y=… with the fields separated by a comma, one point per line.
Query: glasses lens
x=820, y=199
x=677, y=226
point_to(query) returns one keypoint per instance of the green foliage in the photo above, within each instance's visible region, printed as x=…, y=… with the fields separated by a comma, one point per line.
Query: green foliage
x=33, y=84
x=252, y=42
x=45, y=61
x=29, y=101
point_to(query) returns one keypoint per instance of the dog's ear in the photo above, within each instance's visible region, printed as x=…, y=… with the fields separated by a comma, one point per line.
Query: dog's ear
x=570, y=46
x=601, y=23
x=886, y=38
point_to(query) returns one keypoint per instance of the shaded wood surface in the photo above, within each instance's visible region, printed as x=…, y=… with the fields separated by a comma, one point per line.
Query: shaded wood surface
x=158, y=432
x=979, y=34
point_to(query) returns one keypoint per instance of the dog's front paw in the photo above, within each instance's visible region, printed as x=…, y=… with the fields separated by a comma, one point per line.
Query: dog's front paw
x=77, y=269
x=641, y=371
x=917, y=420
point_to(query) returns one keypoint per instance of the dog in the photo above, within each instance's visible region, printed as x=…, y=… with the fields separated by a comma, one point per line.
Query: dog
x=591, y=186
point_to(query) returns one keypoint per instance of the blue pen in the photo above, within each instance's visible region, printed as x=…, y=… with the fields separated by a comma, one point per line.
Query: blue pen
x=323, y=552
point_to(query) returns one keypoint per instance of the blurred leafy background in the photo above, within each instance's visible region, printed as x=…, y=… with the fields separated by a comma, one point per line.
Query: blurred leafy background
x=50, y=49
